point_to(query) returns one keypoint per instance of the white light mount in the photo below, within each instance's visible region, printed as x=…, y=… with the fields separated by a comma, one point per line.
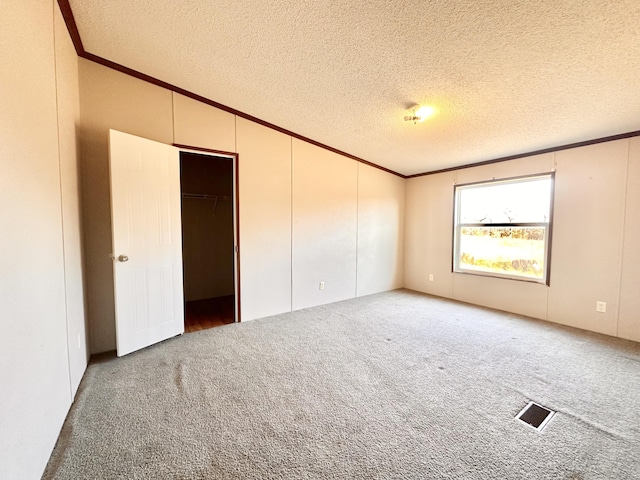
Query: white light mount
x=419, y=114
x=413, y=117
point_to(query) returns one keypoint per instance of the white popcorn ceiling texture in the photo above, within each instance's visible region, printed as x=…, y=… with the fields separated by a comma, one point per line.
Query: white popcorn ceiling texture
x=507, y=77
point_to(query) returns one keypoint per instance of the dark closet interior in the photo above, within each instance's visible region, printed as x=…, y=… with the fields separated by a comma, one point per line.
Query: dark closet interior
x=206, y=184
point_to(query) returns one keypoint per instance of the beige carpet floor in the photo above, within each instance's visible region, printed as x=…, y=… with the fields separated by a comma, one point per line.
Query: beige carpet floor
x=397, y=385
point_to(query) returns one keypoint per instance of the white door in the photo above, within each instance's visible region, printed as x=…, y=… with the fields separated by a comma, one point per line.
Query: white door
x=147, y=241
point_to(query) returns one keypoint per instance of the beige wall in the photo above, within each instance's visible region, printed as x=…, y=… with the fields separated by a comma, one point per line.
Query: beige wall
x=199, y=125
x=265, y=220
x=629, y=308
x=68, y=124
x=586, y=255
x=429, y=209
x=595, y=231
x=325, y=222
x=380, y=263
x=41, y=283
x=299, y=214
x=109, y=99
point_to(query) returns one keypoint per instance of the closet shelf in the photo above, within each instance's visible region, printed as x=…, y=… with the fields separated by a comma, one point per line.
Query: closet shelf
x=205, y=196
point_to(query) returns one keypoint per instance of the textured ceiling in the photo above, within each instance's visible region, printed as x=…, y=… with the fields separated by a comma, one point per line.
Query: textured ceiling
x=507, y=77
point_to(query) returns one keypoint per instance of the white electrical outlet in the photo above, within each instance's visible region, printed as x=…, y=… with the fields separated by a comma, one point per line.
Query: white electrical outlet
x=321, y=285
x=431, y=277
x=601, y=307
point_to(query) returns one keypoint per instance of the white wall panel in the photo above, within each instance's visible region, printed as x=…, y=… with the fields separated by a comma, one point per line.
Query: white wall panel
x=524, y=298
x=629, y=321
x=34, y=368
x=265, y=220
x=428, y=234
x=596, y=203
x=380, y=230
x=324, y=226
x=110, y=99
x=68, y=124
x=201, y=125
x=588, y=220
x=513, y=168
x=415, y=234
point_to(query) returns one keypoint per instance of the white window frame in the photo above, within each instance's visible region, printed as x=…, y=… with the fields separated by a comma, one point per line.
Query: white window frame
x=548, y=226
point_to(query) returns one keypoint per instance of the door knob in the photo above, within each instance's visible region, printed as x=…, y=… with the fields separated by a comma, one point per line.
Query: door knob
x=123, y=258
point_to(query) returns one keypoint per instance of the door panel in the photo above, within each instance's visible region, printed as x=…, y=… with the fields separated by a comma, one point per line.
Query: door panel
x=145, y=215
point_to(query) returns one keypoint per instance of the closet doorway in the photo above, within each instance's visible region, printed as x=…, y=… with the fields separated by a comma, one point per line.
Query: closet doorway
x=208, y=240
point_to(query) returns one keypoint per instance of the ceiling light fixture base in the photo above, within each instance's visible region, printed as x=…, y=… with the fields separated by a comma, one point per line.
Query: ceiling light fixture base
x=419, y=114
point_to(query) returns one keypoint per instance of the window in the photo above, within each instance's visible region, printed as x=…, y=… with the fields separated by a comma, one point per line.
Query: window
x=503, y=228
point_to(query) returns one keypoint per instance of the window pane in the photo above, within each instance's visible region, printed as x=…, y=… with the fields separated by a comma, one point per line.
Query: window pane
x=517, y=251
x=515, y=202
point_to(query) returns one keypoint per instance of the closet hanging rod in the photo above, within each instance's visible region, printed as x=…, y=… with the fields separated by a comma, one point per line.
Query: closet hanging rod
x=205, y=196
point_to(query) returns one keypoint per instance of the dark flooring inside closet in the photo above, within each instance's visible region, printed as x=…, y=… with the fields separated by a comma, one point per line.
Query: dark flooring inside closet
x=208, y=313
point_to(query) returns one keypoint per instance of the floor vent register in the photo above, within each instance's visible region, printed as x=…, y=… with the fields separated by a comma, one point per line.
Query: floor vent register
x=535, y=416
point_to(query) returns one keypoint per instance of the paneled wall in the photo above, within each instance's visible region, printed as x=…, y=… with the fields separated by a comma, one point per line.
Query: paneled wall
x=109, y=99
x=67, y=88
x=43, y=346
x=380, y=248
x=265, y=220
x=629, y=308
x=306, y=215
x=586, y=255
x=199, y=125
x=325, y=211
x=595, y=234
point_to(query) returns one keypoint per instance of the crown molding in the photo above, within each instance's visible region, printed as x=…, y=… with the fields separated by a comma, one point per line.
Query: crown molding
x=559, y=148
x=72, y=27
